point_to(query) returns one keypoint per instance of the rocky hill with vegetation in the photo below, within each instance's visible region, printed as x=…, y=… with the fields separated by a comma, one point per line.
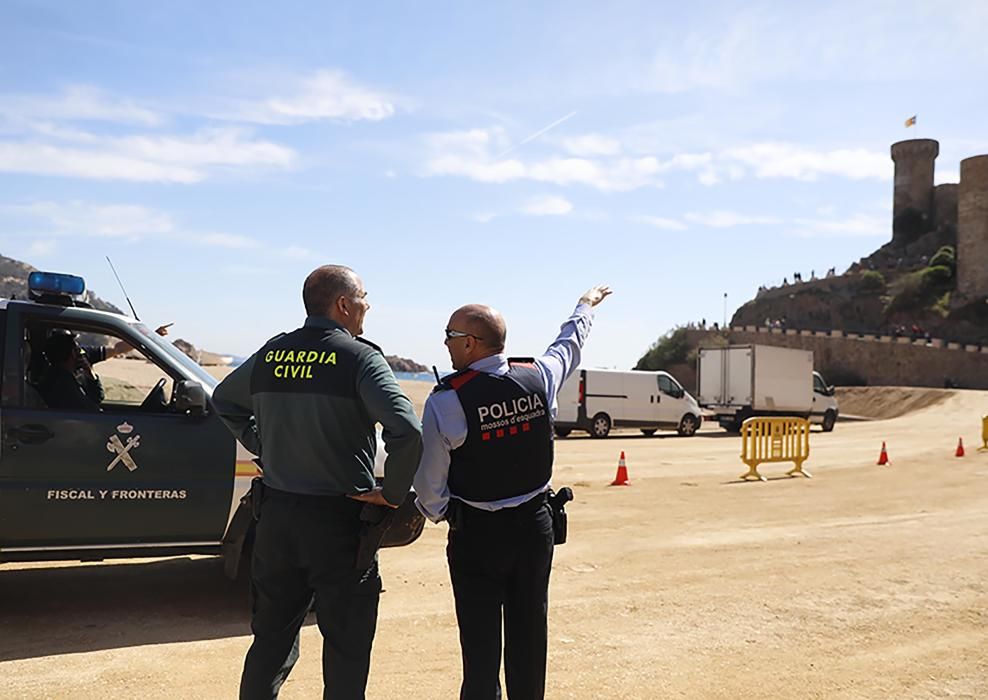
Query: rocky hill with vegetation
x=907, y=285
x=906, y=288
x=13, y=284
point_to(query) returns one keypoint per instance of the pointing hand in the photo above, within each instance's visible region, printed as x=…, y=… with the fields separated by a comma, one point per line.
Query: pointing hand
x=595, y=295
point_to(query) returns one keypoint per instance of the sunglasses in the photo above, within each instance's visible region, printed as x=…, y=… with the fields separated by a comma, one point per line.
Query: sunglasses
x=450, y=334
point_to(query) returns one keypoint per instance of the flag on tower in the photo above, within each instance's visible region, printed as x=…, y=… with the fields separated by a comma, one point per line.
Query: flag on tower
x=911, y=121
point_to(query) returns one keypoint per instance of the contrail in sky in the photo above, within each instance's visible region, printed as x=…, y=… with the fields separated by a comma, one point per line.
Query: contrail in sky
x=535, y=135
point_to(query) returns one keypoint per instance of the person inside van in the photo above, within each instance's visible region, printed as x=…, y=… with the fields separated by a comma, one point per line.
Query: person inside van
x=60, y=387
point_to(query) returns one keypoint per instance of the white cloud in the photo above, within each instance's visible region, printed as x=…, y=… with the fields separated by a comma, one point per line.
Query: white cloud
x=326, y=94
x=41, y=248
x=484, y=217
x=548, y=206
x=948, y=176
x=784, y=160
x=44, y=159
x=729, y=219
x=178, y=159
x=124, y=221
x=226, y=240
x=592, y=145
x=77, y=103
x=85, y=219
x=773, y=44
x=660, y=223
x=470, y=154
x=865, y=225
x=297, y=252
x=851, y=226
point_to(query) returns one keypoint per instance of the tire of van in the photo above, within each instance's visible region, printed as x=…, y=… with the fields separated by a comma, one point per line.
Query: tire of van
x=829, y=419
x=648, y=432
x=688, y=425
x=562, y=432
x=600, y=426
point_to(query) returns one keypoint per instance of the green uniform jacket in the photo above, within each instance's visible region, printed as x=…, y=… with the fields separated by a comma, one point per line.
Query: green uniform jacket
x=307, y=402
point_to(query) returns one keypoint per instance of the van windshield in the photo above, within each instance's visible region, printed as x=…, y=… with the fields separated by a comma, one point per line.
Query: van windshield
x=668, y=385
x=194, y=368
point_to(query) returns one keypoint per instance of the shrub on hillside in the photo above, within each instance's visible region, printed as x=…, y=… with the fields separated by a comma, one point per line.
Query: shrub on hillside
x=945, y=256
x=672, y=348
x=919, y=290
x=937, y=276
x=908, y=294
x=872, y=281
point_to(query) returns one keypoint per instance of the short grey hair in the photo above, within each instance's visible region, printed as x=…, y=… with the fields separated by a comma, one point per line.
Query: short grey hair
x=325, y=285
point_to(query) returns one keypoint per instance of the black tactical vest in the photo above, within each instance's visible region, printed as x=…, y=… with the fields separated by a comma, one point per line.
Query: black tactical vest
x=508, y=449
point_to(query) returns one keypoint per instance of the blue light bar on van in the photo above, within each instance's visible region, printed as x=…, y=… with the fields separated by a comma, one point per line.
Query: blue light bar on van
x=55, y=283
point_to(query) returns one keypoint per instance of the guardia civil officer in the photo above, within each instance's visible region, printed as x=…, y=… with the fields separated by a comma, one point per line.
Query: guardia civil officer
x=486, y=467
x=307, y=403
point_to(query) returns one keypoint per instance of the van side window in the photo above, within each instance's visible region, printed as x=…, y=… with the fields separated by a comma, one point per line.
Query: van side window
x=87, y=370
x=818, y=385
x=665, y=385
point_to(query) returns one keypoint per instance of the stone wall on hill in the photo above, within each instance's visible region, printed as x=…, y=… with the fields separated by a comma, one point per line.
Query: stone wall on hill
x=876, y=360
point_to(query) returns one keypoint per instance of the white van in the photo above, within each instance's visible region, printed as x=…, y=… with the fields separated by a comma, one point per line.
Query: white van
x=596, y=400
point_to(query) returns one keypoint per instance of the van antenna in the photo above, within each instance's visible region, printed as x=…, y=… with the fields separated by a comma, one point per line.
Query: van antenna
x=132, y=310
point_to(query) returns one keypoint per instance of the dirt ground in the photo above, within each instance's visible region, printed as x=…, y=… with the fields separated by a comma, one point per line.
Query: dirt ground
x=862, y=582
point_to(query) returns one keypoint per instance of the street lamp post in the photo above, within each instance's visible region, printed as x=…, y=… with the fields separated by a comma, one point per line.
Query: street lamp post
x=725, y=310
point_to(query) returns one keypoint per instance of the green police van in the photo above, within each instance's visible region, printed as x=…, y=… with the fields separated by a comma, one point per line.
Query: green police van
x=117, y=474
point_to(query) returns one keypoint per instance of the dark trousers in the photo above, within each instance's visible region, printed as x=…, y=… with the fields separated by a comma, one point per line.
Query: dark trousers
x=306, y=546
x=499, y=565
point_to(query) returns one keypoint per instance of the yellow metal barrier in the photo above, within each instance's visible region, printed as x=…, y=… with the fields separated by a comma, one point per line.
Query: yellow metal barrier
x=765, y=440
x=984, y=434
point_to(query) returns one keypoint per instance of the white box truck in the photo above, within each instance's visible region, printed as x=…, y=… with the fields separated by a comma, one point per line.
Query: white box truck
x=596, y=400
x=740, y=381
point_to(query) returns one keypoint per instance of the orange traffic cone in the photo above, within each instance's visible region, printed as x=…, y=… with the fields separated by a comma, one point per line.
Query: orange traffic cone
x=621, y=478
x=960, y=447
x=883, y=458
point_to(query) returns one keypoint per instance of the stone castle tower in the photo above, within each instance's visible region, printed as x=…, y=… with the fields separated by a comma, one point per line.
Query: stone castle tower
x=918, y=204
x=972, y=228
x=913, y=194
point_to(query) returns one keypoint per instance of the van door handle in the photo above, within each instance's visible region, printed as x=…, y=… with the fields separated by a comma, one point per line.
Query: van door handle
x=31, y=434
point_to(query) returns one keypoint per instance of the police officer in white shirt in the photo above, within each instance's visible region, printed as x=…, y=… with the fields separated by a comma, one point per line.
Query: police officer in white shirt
x=486, y=467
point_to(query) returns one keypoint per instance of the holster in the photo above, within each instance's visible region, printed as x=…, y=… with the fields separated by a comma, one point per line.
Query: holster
x=256, y=496
x=557, y=501
x=454, y=514
x=374, y=524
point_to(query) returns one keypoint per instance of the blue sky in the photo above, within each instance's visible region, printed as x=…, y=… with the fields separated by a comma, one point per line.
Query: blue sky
x=505, y=153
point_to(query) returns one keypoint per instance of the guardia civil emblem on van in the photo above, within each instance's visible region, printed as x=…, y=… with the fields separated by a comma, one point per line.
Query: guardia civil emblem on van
x=122, y=450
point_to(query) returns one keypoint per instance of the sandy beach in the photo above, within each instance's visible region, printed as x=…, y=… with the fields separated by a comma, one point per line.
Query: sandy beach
x=862, y=582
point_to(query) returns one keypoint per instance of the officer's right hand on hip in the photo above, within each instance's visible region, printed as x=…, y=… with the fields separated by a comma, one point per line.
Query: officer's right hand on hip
x=374, y=497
